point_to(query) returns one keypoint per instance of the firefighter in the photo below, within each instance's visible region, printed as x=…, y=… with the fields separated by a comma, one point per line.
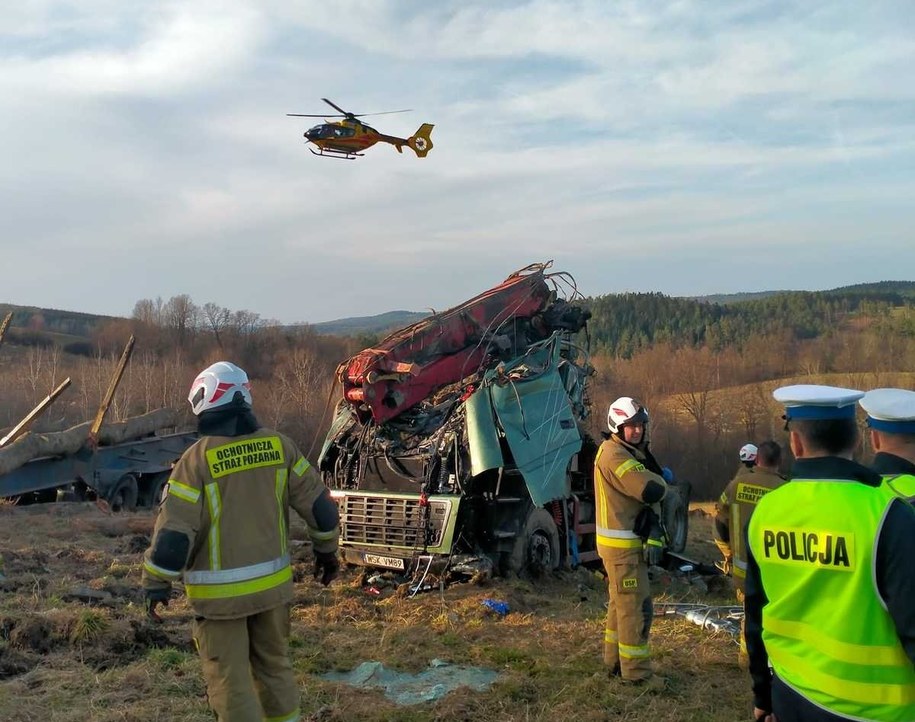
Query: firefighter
x=629, y=486
x=829, y=587
x=223, y=525
x=891, y=419
x=736, y=505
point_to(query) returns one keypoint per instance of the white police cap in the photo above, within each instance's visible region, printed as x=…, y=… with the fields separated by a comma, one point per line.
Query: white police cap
x=890, y=410
x=811, y=401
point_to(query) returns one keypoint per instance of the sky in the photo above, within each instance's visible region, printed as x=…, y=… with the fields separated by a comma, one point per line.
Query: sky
x=682, y=147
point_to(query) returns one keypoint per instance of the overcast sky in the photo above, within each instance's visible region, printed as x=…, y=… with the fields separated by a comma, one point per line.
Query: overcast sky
x=681, y=147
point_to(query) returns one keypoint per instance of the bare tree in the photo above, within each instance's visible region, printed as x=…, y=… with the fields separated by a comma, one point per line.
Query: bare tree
x=217, y=318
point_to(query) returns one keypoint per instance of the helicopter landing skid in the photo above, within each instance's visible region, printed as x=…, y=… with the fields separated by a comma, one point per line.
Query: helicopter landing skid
x=339, y=155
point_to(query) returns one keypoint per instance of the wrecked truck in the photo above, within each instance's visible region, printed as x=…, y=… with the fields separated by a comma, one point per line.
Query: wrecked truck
x=459, y=441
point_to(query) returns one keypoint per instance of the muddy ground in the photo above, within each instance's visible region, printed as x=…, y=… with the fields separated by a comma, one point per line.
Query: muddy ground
x=75, y=644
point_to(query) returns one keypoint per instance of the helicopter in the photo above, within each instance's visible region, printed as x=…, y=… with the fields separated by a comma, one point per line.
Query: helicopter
x=346, y=138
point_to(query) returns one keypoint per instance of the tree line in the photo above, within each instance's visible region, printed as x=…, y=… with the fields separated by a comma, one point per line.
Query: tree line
x=705, y=371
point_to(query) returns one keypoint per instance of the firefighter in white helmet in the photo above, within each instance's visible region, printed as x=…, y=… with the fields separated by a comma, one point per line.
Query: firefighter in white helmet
x=628, y=485
x=223, y=527
x=757, y=476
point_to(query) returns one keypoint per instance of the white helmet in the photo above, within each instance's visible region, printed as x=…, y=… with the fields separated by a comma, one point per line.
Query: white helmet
x=625, y=410
x=748, y=452
x=217, y=385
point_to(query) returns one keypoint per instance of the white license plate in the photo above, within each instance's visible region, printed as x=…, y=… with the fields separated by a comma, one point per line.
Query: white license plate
x=379, y=561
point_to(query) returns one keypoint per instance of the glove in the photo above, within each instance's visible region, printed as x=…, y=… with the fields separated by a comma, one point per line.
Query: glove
x=155, y=597
x=653, y=552
x=326, y=567
x=654, y=548
x=667, y=474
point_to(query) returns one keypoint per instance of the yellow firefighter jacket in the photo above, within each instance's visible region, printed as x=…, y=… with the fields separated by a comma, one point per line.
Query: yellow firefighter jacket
x=733, y=510
x=231, y=496
x=620, y=478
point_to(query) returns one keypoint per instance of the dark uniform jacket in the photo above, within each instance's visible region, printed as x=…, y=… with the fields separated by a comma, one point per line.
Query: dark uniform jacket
x=889, y=466
x=893, y=575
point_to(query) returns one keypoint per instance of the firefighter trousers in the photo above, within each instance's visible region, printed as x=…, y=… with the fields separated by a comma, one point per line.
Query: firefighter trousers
x=246, y=667
x=629, y=614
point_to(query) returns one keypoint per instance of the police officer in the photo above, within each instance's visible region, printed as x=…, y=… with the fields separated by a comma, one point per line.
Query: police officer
x=628, y=485
x=829, y=587
x=891, y=418
x=736, y=505
x=224, y=524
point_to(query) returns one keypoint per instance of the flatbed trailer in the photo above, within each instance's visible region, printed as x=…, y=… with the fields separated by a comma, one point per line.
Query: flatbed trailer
x=125, y=475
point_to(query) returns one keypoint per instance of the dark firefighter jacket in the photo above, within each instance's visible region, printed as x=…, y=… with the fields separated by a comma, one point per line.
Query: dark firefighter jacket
x=225, y=518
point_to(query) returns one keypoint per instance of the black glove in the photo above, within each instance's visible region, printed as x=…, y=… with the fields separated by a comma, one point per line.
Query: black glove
x=155, y=597
x=326, y=567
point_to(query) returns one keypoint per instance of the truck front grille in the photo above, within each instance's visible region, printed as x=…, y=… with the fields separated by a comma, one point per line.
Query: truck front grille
x=387, y=521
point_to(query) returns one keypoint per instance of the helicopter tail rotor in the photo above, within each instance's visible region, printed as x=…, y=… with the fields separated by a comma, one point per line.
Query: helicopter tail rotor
x=421, y=140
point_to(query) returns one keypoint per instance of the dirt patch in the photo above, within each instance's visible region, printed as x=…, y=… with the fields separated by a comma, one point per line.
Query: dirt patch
x=137, y=544
x=35, y=634
x=14, y=662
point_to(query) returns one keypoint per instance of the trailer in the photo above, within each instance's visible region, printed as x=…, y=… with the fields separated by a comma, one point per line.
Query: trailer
x=125, y=475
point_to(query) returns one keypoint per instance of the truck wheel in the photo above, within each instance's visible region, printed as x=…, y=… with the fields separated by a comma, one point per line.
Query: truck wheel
x=152, y=487
x=536, y=549
x=124, y=495
x=675, y=514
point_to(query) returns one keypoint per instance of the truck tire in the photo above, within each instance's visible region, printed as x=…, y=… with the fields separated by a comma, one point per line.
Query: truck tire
x=151, y=489
x=536, y=550
x=124, y=495
x=675, y=515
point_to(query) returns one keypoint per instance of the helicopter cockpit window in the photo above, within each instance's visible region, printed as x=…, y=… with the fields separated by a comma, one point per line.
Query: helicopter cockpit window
x=341, y=132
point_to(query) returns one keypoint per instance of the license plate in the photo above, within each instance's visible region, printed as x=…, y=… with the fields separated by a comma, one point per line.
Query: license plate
x=377, y=560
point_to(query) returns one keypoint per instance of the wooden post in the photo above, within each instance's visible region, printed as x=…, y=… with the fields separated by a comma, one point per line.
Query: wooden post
x=34, y=413
x=5, y=325
x=109, y=395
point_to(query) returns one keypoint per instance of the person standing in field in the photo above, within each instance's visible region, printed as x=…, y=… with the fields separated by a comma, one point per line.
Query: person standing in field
x=891, y=420
x=223, y=526
x=757, y=477
x=629, y=485
x=829, y=586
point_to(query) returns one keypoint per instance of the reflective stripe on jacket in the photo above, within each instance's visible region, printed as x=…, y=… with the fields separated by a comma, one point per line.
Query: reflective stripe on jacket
x=231, y=496
x=825, y=628
x=902, y=484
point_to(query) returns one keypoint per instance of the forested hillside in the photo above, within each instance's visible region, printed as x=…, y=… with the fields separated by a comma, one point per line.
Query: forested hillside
x=623, y=324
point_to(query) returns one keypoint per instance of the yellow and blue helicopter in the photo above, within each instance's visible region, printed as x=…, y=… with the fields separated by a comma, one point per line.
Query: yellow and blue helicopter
x=346, y=138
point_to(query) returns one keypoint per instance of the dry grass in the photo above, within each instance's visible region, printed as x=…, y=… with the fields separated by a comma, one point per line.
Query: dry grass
x=63, y=660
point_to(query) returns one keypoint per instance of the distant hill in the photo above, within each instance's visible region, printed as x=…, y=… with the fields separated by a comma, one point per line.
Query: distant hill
x=33, y=326
x=369, y=325
x=725, y=298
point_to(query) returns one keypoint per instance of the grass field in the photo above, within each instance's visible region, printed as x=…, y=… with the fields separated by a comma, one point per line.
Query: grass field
x=66, y=659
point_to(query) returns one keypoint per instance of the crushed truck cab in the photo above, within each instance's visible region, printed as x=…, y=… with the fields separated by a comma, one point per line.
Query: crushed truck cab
x=459, y=440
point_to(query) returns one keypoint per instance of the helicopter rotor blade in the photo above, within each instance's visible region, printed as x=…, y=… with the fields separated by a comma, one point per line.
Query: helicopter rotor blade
x=384, y=112
x=310, y=115
x=336, y=107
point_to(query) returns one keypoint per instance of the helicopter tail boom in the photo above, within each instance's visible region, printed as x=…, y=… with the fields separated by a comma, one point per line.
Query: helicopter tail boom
x=421, y=140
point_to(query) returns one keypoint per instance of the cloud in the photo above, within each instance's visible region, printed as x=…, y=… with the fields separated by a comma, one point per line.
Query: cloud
x=147, y=149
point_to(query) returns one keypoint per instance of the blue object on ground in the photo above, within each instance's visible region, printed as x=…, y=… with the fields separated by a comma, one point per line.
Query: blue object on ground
x=500, y=608
x=405, y=689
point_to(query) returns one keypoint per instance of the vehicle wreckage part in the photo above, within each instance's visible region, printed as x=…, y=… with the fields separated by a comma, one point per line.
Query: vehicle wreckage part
x=675, y=515
x=716, y=618
x=543, y=448
x=445, y=347
x=536, y=550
